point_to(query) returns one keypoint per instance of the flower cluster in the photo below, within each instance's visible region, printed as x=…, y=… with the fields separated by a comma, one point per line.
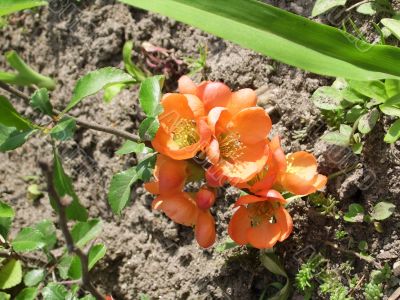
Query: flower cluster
x=209, y=133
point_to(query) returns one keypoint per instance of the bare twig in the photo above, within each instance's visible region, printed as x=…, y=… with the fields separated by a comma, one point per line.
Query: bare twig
x=358, y=4
x=395, y=295
x=63, y=222
x=79, y=122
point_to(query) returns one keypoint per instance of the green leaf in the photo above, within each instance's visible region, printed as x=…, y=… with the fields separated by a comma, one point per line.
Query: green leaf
x=130, y=67
x=322, y=6
x=357, y=148
x=29, y=293
x=352, y=96
x=34, y=277
x=64, y=130
x=64, y=266
x=150, y=95
x=355, y=213
x=6, y=211
x=327, y=98
x=94, y=82
x=283, y=36
x=4, y=296
x=10, y=274
x=40, y=100
x=5, y=225
x=12, y=138
x=120, y=189
x=113, y=90
x=354, y=113
x=84, y=232
x=48, y=230
x=96, y=253
x=368, y=121
x=372, y=89
x=367, y=9
x=391, y=106
x=133, y=147
x=148, y=128
x=345, y=130
x=271, y=262
x=28, y=239
x=393, y=133
x=336, y=138
x=383, y=210
x=10, y=6
x=10, y=117
x=392, y=87
x=54, y=291
x=393, y=25
x=228, y=244
x=64, y=187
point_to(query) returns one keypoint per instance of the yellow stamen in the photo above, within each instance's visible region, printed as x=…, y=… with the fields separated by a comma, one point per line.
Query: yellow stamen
x=262, y=211
x=185, y=133
x=260, y=176
x=230, y=146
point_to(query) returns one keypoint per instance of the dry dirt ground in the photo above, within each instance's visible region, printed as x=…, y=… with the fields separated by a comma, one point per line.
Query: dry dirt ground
x=147, y=253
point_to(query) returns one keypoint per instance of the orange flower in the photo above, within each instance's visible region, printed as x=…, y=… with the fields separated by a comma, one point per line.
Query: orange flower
x=265, y=179
x=183, y=128
x=239, y=147
x=261, y=221
x=170, y=176
x=217, y=94
x=301, y=176
x=183, y=209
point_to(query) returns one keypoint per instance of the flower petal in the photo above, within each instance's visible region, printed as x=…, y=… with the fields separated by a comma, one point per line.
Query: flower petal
x=214, y=177
x=213, y=153
x=218, y=118
x=285, y=222
x=302, y=164
x=214, y=94
x=171, y=174
x=186, y=85
x=179, y=207
x=205, y=229
x=264, y=236
x=176, y=108
x=248, y=199
x=152, y=187
x=239, y=225
x=272, y=194
x=320, y=181
x=196, y=105
x=252, y=124
x=297, y=185
x=242, y=99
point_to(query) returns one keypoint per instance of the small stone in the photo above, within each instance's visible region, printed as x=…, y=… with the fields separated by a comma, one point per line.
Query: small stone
x=396, y=268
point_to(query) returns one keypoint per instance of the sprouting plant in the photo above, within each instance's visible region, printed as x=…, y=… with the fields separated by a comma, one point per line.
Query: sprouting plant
x=374, y=288
x=333, y=287
x=198, y=64
x=341, y=234
x=326, y=204
x=360, y=105
x=306, y=275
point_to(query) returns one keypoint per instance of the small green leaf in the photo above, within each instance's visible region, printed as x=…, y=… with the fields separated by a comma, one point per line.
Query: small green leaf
x=28, y=239
x=352, y=96
x=373, y=89
x=383, y=210
x=94, y=82
x=9, y=117
x=64, y=187
x=368, y=121
x=5, y=225
x=111, y=91
x=130, y=67
x=393, y=133
x=336, y=138
x=6, y=211
x=34, y=192
x=148, y=128
x=54, y=291
x=96, y=253
x=391, y=106
x=34, y=277
x=345, y=130
x=150, y=95
x=323, y=6
x=29, y=293
x=392, y=87
x=120, y=189
x=133, y=147
x=64, y=266
x=366, y=9
x=64, y=130
x=4, y=296
x=354, y=113
x=327, y=98
x=12, y=138
x=84, y=232
x=10, y=274
x=40, y=100
x=363, y=246
x=10, y=6
x=355, y=213
x=48, y=230
x=393, y=25
x=357, y=148
x=228, y=244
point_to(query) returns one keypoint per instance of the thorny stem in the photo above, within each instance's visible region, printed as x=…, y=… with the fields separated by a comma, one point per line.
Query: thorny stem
x=63, y=222
x=80, y=122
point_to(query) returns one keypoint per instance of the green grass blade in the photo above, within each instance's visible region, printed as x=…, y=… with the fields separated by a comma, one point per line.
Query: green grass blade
x=284, y=36
x=10, y=6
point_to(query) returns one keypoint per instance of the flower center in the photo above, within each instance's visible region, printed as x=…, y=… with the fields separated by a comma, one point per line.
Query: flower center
x=262, y=211
x=230, y=146
x=185, y=133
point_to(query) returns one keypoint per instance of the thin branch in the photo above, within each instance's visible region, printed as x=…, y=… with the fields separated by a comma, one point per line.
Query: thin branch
x=63, y=222
x=79, y=122
x=358, y=4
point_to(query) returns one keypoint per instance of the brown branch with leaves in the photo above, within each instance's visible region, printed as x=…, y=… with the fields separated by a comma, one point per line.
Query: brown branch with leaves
x=63, y=223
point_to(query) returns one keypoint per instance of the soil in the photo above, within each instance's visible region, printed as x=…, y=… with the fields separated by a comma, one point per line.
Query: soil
x=147, y=253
